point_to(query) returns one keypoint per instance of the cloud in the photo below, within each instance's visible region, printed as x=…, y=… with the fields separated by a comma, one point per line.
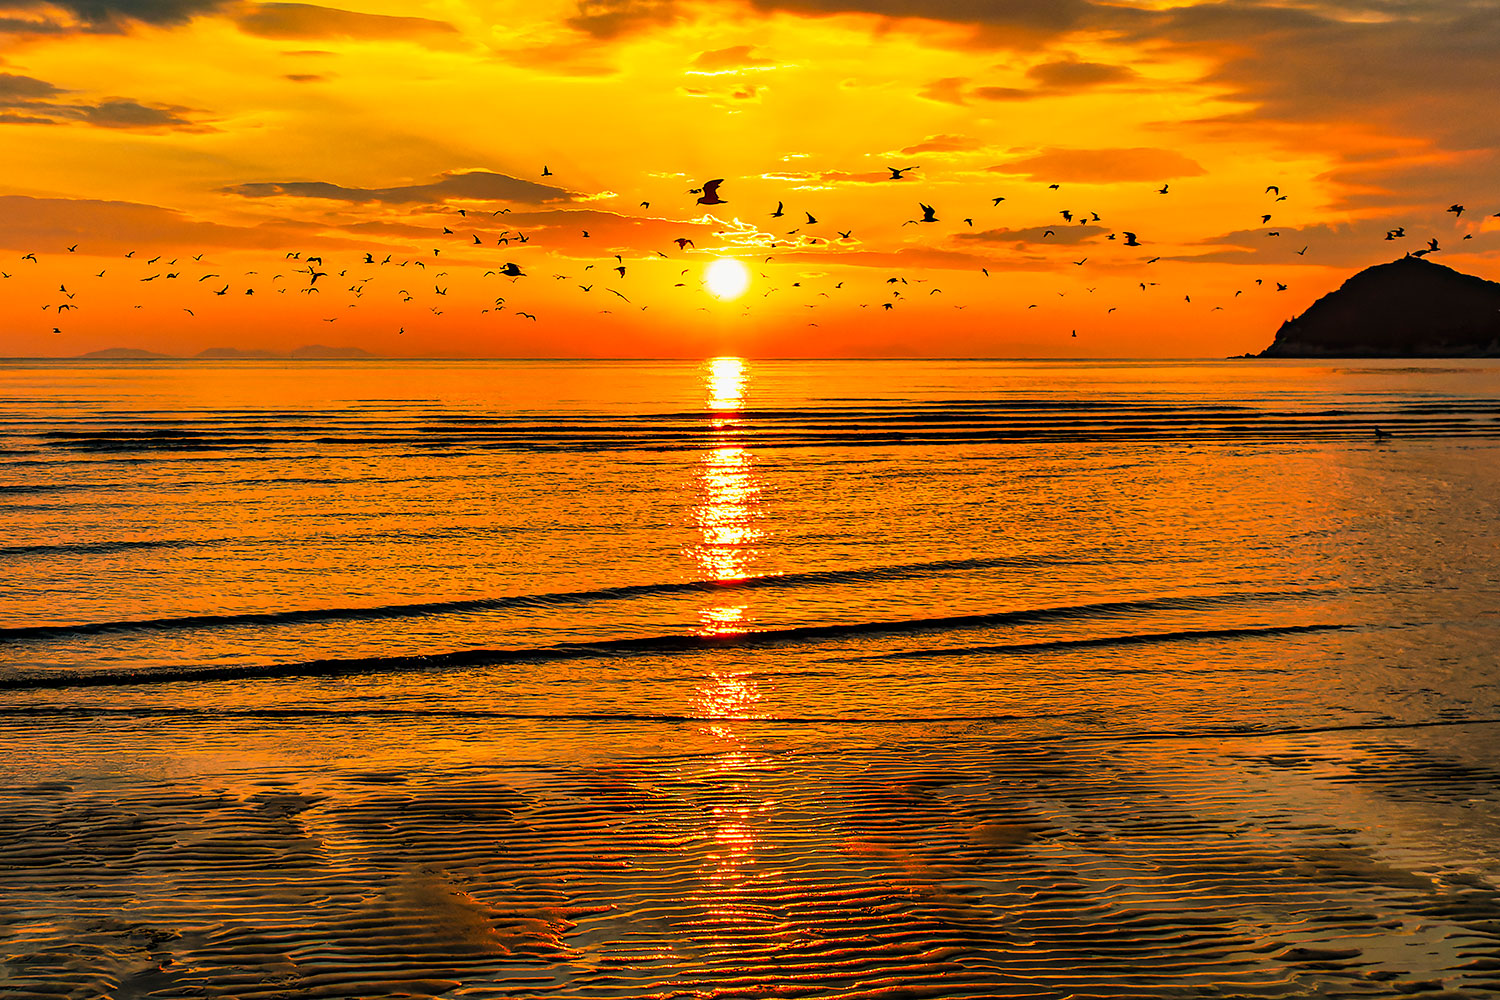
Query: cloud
x=606, y=19
x=106, y=15
x=25, y=100
x=734, y=58
x=300, y=20
x=35, y=224
x=1068, y=74
x=1062, y=235
x=476, y=185
x=1100, y=166
x=25, y=87
x=944, y=144
x=949, y=90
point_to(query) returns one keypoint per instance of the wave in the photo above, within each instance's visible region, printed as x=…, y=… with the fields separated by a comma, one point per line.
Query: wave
x=1015, y=420
x=92, y=548
x=304, y=616
x=1138, y=639
x=636, y=645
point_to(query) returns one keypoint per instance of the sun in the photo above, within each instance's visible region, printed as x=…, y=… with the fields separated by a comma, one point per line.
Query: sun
x=726, y=278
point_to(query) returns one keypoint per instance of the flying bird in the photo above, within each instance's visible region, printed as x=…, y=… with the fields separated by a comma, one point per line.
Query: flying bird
x=1457, y=210
x=1130, y=240
x=710, y=195
x=683, y=241
x=1163, y=189
x=896, y=172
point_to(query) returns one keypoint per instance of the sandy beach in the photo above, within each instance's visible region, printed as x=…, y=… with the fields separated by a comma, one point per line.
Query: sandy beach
x=424, y=856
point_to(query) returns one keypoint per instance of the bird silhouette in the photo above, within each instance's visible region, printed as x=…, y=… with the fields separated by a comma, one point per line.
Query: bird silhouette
x=545, y=171
x=1163, y=189
x=896, y=172
x=683, y=242
x=1457, y=210
x=1130, y=240
x=710, y=195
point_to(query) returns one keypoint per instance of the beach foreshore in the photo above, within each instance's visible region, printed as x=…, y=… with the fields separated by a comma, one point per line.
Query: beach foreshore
x=341, y=855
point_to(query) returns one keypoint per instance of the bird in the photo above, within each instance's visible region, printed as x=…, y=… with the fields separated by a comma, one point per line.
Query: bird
x=1053, y=187
x=810, y=220
x=545, y=171
x=525, y=314
x=1264, y=219
x=929, y=214
x=478, y=241
x=31, y=257
x=1302, y=252
x=896, y=172
x=512, y=271
x=1272, y=188
x=1280, y=287
x=1048, y=233
x=845, y=236
x=1130, y=240
x=1163, y=189
x=1067, y=215
x=710, y=195
x=683, y=242
x=73, y=248
x=1079, y=263
x=1380, y=434
x=1457, y=210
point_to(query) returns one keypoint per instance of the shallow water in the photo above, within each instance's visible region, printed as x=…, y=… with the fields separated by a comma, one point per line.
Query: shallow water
x=930, y=678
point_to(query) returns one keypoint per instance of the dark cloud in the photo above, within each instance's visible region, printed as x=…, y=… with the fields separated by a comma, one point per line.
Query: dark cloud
x=105, y=15
x=13, y=87
x=604, y=19
x=1101, y=166
x=1062, y=235
x=134, y=115
x=478, y=185
x=1068, y=74
x=28, y=101
x=1051, y=16
x=300, y=20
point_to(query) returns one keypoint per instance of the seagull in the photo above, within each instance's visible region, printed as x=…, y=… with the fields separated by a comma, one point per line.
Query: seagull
x=897, y=172
x=778, y=213
x=545, y=171
x=1163, y=189
x=1130, y=240
x=810, y=220
x=710, y=195
x=1457, y=210
x=996, y=201
x=1272, y=188
x=683, y=241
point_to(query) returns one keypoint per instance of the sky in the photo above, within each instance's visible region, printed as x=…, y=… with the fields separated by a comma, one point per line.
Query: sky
x=172, y=165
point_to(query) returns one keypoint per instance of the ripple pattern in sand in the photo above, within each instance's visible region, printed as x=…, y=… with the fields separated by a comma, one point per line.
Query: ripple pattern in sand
x=1214, y=868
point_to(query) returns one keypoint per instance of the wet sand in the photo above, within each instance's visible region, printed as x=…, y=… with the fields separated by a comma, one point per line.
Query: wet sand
x=344, y=856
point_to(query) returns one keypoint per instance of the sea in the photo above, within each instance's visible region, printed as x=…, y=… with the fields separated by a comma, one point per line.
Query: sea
x=745, y=677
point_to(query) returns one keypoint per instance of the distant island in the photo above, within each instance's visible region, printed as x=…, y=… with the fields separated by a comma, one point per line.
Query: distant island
x=1408, y=308
x=311, y=352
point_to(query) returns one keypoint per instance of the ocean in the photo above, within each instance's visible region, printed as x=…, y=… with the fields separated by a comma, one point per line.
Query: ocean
x=750, y=678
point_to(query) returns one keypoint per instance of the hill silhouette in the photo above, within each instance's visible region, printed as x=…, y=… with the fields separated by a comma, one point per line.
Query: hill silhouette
x=1408, y=308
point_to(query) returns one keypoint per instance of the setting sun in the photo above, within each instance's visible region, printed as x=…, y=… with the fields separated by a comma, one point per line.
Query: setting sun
x=726, y=278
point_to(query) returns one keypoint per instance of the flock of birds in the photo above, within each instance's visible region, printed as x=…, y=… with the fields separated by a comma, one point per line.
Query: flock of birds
x=301, y=272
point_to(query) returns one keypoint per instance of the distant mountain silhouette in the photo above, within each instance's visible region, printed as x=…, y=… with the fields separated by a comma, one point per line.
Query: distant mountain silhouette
x=311, y=352
x=1409, y=308
x=122, y=354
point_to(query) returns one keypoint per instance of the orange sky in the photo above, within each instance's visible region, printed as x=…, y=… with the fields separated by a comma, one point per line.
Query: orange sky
x=245, y=132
